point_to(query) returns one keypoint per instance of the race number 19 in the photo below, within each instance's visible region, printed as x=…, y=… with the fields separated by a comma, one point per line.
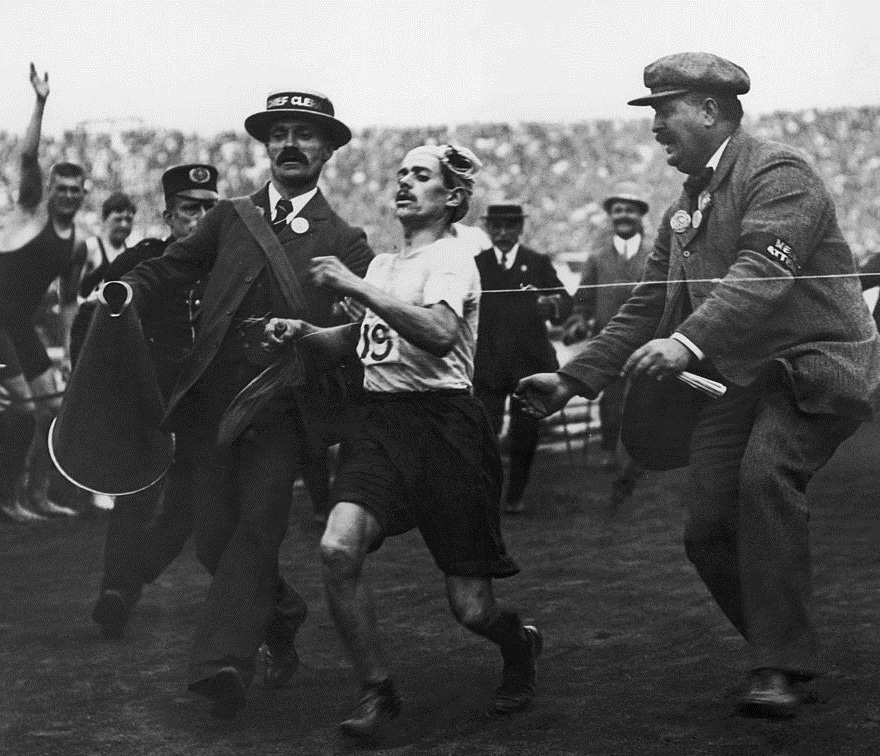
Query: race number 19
x=378, y=343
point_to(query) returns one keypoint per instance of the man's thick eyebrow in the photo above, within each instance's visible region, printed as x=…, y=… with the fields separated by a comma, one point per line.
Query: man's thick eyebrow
x=414, y=169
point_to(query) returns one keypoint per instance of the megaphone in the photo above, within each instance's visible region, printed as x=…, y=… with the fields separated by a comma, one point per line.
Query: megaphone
x=106, y=438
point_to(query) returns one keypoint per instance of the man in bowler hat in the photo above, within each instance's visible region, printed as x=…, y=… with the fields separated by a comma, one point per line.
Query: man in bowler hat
x=618, y=260
x=257, y=251
x=138, y=548
x=512, y=339
x=739, y=252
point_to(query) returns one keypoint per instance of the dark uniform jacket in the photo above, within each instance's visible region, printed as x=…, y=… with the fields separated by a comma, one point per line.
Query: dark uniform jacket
x=223, y=249
x=512, y=340
x=605, y=265
x=770, y=224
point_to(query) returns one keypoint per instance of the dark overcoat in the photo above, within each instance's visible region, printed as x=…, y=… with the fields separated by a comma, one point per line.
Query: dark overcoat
x=512, y=340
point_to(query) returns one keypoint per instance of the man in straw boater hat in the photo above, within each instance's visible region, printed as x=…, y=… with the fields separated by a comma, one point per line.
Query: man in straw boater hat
x=619, y=259
x=257, y=251
x=425, y=454
x=735, y=287
x=138, y=548
x=513, y=340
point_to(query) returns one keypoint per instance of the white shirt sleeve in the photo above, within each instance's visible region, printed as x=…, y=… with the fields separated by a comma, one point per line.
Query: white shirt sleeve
x=450, y=278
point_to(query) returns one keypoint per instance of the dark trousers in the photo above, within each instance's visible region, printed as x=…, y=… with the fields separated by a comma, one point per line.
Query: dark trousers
x=753, y=453
x=522, y=437
x=242, y=503
x=611, y=413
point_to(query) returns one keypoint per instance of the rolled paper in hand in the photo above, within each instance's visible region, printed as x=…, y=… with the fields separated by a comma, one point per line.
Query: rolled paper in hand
x=707, y=386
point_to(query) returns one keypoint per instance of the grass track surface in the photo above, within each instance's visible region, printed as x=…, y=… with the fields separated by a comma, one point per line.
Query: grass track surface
x=638, y=661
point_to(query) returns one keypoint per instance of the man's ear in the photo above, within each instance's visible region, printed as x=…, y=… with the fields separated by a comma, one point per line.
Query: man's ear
x=711, y=111
x=455, y=197
x=166, y=215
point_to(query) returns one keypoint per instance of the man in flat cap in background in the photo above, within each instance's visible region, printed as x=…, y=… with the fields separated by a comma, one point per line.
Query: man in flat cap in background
x=138, y=548
x=257, y=251
x=513, y=341
x=800, y=355
x=618, y=260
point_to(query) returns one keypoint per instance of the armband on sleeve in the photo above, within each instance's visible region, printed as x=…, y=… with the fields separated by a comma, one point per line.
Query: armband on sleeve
x=773, y=247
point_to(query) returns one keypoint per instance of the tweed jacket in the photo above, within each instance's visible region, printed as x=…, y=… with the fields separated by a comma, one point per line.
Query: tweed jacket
x=605, y=265
x=768, y=225
x=222, y=248
x=512, y=339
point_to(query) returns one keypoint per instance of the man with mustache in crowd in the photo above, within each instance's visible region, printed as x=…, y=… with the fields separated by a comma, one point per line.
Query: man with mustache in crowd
x=749, y=281
x=424, y=454
x=257, y=251
x=37, y=246
x=618, y=260
x=138, y=547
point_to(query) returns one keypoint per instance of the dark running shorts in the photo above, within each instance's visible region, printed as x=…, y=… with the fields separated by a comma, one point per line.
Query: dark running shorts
x=430, y=461
x=9, y=365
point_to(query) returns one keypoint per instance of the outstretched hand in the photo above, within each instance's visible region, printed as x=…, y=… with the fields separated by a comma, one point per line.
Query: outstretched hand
x=41, y=86
x=542, y=394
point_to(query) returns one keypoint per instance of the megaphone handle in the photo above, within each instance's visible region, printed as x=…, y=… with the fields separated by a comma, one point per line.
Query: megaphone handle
x=116, y=296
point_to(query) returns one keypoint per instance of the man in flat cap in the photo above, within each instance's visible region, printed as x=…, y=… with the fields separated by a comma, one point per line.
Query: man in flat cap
x=138, y=548
x=513, y=341
x=618, y=260
x=257, y=250
x=742, y=253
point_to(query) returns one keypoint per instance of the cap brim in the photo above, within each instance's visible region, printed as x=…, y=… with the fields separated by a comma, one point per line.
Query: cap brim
x=611, y=200
x=258, y=124
x=198, y=194
x=652, y=98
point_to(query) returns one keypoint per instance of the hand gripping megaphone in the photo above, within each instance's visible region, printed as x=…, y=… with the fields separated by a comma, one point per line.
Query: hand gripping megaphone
x=106, y=438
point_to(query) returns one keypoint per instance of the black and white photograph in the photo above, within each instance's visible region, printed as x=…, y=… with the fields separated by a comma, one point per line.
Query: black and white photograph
x=436, y=378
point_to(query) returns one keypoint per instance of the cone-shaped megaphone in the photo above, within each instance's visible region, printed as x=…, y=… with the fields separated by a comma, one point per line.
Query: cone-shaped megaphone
x=106, y=438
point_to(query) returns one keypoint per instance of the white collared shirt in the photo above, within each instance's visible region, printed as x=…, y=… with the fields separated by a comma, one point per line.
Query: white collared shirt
x=511, y=256
x=298, y=202
x=716, y=157
x=627, y=248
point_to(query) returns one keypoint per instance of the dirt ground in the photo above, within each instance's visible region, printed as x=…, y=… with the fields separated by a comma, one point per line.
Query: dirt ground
x=637, y=658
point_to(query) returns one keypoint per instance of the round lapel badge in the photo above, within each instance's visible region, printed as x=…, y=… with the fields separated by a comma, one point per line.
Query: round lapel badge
x=299, y=225
x=697, y=219
x=704, y=201
x=680, y=221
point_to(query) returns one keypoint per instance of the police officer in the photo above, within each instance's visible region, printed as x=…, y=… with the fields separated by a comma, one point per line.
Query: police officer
x=136, y=550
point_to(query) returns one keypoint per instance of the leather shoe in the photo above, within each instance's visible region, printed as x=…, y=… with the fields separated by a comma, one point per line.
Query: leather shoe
x=771, y=695
x=379, y=704
x=517, y=689
x=111, y=613
x=226, y=691
x=279, y=667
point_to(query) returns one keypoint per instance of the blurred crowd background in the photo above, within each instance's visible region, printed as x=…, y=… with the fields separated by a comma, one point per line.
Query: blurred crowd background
x=560, y=172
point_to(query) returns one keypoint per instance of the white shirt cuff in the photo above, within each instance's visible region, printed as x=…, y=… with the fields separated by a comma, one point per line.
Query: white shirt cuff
x=681, y=338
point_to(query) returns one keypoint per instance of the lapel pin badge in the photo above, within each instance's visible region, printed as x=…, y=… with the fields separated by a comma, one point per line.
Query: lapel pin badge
x=680, y=221
x=299, y=225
